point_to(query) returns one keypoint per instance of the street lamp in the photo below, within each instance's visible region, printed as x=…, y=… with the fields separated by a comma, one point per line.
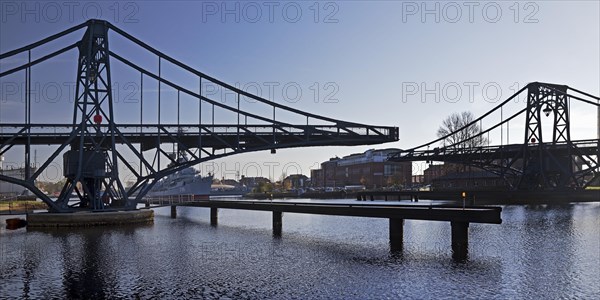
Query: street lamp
x=547, y=110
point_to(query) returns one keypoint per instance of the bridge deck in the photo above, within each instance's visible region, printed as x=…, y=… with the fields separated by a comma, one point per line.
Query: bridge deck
x=587, y=147
x=214, y=136
x=469, y=214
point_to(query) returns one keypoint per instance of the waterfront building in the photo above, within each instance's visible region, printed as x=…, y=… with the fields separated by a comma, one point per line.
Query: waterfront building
x=369, y=169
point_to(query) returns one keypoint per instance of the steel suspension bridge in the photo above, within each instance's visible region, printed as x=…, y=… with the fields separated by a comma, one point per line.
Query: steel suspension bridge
x=557, y=164
x=89, y=144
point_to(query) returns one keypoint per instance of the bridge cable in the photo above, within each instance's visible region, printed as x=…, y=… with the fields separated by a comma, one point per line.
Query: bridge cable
x=223, y=84
x=473, y=122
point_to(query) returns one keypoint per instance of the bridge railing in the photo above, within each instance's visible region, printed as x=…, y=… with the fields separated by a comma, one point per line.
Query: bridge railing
x=485, y=150
x=11, y=129
x=173, y=199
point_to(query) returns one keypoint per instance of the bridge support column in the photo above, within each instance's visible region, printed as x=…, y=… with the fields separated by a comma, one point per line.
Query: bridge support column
x=396, y=234
x=460, y=240
x=173, y=211
x=214, y=216
x=277, y=223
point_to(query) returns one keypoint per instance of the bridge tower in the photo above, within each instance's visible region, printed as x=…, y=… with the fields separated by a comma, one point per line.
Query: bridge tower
x=90, y=166
x=544, y=168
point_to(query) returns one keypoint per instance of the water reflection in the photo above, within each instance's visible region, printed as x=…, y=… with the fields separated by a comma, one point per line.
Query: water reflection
x=86, y=258
x=538, y=252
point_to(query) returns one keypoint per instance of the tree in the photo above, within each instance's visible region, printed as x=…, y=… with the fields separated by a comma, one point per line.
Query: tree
x=466, y=138
x=263, y=187
x=395, y=180
x=51, y=187
x=363, y=181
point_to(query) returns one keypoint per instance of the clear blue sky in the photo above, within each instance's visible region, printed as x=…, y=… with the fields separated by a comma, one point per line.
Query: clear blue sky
x=362, y=55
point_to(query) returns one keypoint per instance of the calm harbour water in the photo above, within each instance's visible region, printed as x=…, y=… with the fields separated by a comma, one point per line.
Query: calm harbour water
x=538, y=252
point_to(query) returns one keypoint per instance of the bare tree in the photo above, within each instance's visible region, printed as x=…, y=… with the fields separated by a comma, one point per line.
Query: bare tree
x=467, y=137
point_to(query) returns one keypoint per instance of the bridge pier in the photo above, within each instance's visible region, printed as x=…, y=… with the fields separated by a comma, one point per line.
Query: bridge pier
x=173, y=211
x=214, y=216
x=460, y=240
x=277, y=223
x=396, y=234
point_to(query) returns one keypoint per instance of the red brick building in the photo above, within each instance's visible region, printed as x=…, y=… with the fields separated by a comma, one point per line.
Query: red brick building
x=470, y=180
x=370, y=169
x=433, y=172
x=449, y=177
